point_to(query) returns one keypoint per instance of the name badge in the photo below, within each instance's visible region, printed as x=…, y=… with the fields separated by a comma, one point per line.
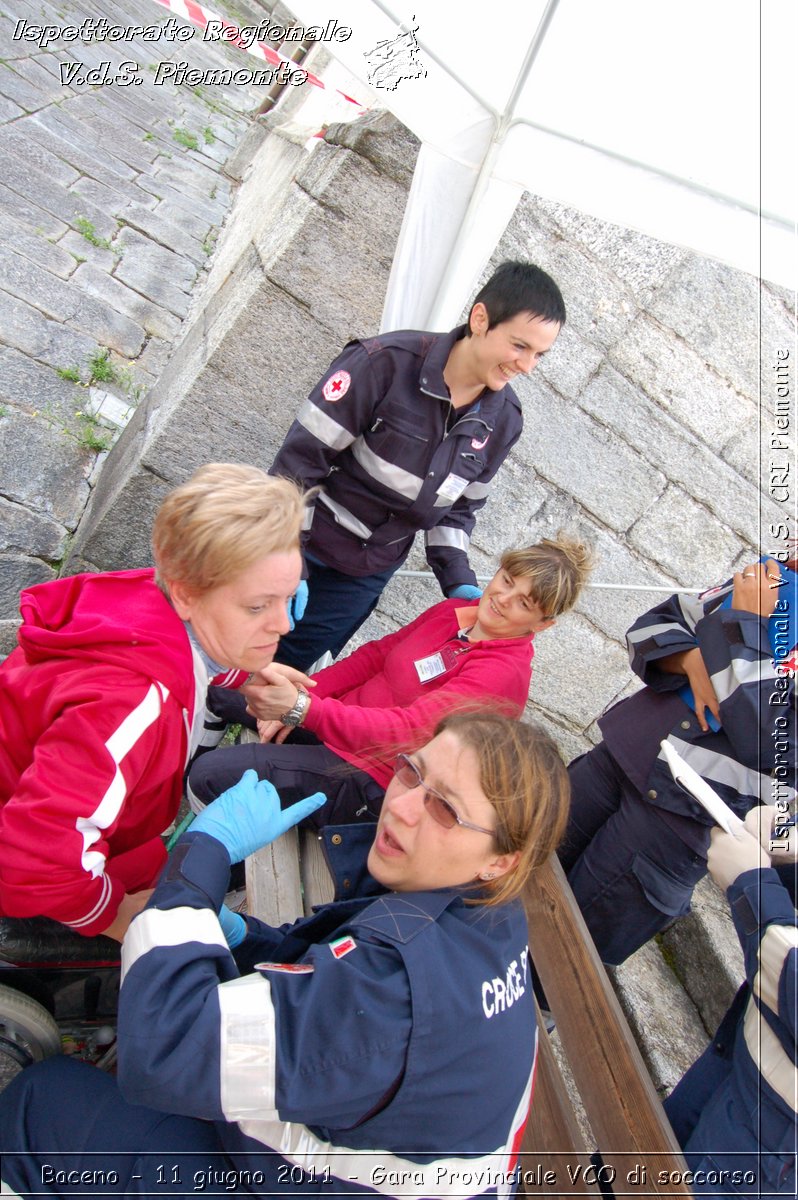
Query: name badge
x=452, y=487
x=435, y=664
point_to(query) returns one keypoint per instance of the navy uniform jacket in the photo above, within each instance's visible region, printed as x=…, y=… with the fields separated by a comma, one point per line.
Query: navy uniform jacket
x=379, y=435
x=751, y=759
x=748, y=1114
x=385, y=1044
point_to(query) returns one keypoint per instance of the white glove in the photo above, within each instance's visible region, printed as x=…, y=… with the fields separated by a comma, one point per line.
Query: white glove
x=731, y=854
x=775, y=836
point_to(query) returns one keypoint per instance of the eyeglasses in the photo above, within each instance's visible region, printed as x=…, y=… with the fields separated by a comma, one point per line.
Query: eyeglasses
x=438, y=807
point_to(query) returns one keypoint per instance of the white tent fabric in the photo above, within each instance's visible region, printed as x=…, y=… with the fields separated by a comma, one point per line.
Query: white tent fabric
x=676, y=119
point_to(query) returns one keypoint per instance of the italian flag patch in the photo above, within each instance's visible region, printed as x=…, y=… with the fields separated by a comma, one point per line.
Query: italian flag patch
x=342, y=946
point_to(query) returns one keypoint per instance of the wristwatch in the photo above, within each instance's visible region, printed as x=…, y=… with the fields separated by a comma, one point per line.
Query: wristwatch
x=296, y=715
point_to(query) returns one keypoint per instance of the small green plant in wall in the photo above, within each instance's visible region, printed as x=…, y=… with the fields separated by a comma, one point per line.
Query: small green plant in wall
x=184, y=138
x=86, y=229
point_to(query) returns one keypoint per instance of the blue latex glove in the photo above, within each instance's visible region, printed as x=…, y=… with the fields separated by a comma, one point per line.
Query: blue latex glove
x=234, y=927
x=298, y=603
x=465, y=591
x=248, y=816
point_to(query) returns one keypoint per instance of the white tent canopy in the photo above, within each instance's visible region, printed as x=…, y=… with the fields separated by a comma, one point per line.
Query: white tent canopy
x=676, y=119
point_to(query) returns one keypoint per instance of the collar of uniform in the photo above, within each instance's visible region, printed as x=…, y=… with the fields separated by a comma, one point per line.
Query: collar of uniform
x=431, y=379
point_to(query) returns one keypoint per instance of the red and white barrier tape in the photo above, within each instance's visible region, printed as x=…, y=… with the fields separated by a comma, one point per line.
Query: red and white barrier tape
x=199, y=16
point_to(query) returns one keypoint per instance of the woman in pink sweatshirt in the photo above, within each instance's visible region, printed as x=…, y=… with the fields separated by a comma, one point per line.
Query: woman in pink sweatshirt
x=340, y=730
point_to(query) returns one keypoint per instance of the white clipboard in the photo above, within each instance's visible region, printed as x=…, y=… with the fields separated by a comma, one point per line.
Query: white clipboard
x=692, y=782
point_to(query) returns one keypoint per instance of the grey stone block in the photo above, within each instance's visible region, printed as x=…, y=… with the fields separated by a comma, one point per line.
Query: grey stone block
x=167, y=233
x=613, y=610
x=16, y=88
x=34, y=187
x=604, y=669
x=583, y=458
x=28, y=213
x=161, y=276
x=42, y=469
x=678, y=379
x=34, y=387
x=703, y=549
x=39, y=250
x=8, y=631
x=665, y=1023
x=715, y=309
x=570, y=364
x=154, y=320
x=29, y=533
x=9, y=111
x=705, y=949
x=28, y=330
x=674, y=450
x=50, y=130
x=642, y=263
x=16, y=573
x=14, y=143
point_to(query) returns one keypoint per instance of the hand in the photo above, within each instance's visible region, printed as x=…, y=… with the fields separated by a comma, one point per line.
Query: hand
x=272, y=731
x=775, y=834
x=465, y=591
x=131, y=906
x=234, y=927
x=691, y=664
x=298, y=603
x=273, y=691
x=756, y=588
x=731, y=854
x=248, y=816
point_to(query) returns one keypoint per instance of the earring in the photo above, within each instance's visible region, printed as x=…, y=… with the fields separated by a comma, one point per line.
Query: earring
x=488, y=875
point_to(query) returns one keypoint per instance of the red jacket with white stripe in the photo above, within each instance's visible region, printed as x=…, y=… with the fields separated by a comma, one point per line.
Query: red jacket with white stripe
x=96, y=705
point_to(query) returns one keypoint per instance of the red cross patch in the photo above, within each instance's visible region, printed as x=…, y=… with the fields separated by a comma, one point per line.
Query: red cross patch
x=337, y=385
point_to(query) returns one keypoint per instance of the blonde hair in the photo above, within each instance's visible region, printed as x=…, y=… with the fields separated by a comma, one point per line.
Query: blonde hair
x=557, y=569
x=220, y=521
x=524, y=777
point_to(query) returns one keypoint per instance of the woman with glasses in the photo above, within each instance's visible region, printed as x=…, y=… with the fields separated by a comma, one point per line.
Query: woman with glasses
x=385, y=1044
x=339, y=730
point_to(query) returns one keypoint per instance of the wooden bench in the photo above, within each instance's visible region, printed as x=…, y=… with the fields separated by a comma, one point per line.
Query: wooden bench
x=637, y=1145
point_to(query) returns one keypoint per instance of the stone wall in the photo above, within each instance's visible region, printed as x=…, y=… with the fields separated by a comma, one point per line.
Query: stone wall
x=641, y=427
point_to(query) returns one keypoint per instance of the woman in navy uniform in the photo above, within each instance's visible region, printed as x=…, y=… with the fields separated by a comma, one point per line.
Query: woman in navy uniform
x=385, y=1044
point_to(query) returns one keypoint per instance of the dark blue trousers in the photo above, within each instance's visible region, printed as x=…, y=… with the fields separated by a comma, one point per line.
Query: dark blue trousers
x=61, y=1118
x=630, y=872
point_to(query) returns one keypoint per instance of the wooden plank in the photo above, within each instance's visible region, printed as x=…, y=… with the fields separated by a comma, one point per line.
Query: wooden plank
x=317, y=882
x=553, y=1155
x=622, y=1105
x=274, y=891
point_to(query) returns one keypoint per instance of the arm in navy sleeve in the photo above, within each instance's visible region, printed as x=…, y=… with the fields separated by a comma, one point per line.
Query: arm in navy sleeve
x=668, y=628
x=765, y=920
x=323, y=1046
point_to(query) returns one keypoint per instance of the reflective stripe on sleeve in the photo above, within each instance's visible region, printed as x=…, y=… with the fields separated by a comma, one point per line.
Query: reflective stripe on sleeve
x=771, y=1060
x=739, y=672
x=404, y=483
x=248, y=1057
x=445, y=535
x=477, y=490
x=383, y=1171
x=774, y=947
x=155, y=928
x=322, y=426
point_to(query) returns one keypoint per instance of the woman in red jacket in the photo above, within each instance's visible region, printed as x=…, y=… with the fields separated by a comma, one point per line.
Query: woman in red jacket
x=102, y=702
x=340, y=730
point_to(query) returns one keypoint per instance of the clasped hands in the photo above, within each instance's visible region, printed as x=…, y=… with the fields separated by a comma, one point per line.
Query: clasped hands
x=271, y=692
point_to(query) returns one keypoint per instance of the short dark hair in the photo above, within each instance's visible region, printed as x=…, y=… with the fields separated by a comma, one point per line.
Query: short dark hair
x=517, y=287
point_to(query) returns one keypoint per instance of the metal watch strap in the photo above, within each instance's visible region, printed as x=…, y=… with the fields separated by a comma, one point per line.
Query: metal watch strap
x=294, y=715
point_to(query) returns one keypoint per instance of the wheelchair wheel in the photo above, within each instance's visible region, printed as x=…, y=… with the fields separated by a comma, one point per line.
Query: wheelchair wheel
x=27, y=1031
